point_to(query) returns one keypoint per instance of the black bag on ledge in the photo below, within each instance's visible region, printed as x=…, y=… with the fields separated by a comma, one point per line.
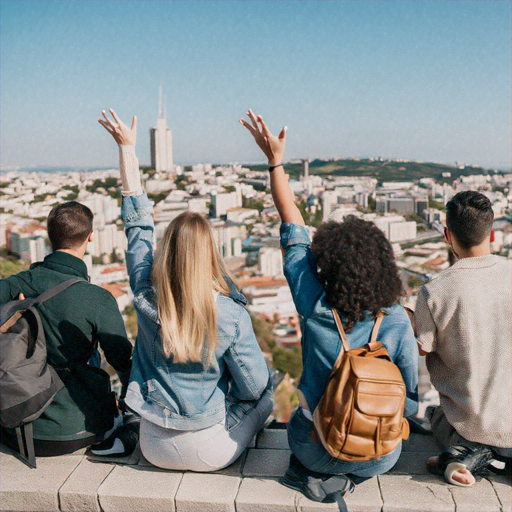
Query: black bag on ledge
x=27, y=383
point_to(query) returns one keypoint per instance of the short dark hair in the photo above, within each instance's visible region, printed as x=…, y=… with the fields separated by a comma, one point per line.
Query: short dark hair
x=356, y=268
x=469, y=217
x=69, y=225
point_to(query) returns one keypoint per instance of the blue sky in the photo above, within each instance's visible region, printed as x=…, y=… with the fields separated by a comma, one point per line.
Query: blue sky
x=423, y=80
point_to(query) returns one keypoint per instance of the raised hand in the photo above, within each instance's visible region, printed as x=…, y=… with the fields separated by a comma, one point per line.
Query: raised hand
x=123, y=135
x=272, y=146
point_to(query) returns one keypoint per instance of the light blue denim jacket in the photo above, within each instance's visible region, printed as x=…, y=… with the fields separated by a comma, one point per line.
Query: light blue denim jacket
x=321, y=342
x=185, y=396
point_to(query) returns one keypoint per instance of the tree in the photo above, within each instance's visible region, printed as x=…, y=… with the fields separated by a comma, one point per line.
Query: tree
x=10, y=265
x=288, y=360
x=114, y=257
x=286, y=400
x=131, y=321
x=264, y=332
x=414, y=282
x=432, y=203
x=156, y=198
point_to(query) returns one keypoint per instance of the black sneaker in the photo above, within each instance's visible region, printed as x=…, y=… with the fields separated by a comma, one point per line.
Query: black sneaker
x=317, y=486
x=121, y=443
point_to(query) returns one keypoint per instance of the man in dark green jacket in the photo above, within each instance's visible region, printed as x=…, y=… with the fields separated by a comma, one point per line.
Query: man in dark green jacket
x=75, y=322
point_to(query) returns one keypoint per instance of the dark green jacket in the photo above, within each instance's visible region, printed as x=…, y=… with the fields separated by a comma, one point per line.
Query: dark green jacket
x=73, y=322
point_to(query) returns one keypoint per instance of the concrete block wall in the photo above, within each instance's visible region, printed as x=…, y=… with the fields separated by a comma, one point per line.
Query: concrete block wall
x=79, y=483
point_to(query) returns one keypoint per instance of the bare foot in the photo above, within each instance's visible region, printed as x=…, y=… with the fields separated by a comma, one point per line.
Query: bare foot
x=461, y=475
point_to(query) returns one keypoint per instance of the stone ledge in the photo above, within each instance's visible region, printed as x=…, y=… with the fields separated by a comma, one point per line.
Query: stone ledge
x=79, y=484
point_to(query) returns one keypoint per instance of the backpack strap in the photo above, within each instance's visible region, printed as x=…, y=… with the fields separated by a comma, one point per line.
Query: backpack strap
x=11, y=308
x=25, y=436
x=374, y=344
x=55, y=290
x=339, y=325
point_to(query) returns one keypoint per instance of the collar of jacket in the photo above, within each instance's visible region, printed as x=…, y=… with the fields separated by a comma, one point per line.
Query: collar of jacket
x=65, y=263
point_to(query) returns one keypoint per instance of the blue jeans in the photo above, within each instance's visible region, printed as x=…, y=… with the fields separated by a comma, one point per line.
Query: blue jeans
x=316, y=458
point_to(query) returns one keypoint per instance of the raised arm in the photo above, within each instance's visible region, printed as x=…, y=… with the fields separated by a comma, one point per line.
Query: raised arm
x=136, y=208
x=273, y=147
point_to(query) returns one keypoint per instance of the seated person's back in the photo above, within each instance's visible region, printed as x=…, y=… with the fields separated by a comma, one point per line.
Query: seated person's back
x=199, y=380
x=464, y=327
x=74, y=321
x=464, y=322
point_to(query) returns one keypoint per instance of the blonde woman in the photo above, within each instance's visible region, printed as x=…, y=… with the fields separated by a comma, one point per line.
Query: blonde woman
x=199, y=380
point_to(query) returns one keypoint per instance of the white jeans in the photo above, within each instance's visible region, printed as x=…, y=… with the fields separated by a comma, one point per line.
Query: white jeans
x=208, y=449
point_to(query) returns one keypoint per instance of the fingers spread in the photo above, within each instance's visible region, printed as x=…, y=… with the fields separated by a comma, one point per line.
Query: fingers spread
x=282, y=134
x=134, y=123
x=266, y=131
x=105, y=125
x=247, y=125
x=109, y=122
x=252, y=117
x=114, y=115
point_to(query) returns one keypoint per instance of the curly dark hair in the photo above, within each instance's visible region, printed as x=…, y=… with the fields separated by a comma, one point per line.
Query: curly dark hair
x=356, y=268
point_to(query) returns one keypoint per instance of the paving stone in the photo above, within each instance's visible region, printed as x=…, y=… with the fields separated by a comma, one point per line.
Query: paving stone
x=234, y=469
x=276, y=439
x=306, y=505
x=26, y=489
x=207, y=493
x=365, y=498
x=403, y=493
x=139, y=489
x=480, y=497
x=503, y=487
x=265, y=495
x=411, y=463
x=265, y=462
x=420, y=443
x=80, y=492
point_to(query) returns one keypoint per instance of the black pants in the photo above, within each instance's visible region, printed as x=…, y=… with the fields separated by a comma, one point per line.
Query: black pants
x=49, y=448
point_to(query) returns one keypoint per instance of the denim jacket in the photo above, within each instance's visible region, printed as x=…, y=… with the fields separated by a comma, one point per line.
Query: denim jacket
x=321, y=342
x=185, y=396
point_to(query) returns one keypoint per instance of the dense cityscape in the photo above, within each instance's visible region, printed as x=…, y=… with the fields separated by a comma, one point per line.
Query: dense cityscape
x=404, y=199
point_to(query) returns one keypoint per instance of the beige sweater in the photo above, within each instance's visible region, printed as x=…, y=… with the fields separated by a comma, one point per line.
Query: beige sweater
x=464, y=321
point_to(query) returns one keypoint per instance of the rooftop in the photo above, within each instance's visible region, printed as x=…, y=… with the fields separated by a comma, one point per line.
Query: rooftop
x=79, y=483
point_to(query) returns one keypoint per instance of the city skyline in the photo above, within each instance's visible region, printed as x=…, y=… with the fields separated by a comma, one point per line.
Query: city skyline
x=424, y=81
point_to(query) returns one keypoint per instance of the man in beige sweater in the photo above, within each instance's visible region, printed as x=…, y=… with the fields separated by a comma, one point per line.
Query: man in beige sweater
x=463, y=323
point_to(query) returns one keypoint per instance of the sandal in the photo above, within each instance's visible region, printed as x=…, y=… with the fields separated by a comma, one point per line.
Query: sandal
x=475, y=460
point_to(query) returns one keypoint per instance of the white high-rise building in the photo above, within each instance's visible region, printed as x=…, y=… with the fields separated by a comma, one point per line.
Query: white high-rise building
x=270, y=261
x=160, y=138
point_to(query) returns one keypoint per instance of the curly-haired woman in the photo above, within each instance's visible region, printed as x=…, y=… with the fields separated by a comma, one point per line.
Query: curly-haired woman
x=349, y=266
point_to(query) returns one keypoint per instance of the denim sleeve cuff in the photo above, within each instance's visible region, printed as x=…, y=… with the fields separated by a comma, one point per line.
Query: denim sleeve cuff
x=293, y=234
x=136, y=208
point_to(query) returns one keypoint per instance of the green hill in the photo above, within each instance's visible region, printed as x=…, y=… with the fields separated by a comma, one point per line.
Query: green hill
x=382, y=171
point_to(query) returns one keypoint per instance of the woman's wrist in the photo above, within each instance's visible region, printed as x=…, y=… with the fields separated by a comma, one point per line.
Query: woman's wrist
x=272, y=168
x=129, y=169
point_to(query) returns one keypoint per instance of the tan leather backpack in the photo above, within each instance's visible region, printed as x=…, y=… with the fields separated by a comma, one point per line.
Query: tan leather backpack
x=361, y=414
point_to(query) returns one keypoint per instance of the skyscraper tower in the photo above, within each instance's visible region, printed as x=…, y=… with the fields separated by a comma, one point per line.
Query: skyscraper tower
x=160, y=138
x=305, y=168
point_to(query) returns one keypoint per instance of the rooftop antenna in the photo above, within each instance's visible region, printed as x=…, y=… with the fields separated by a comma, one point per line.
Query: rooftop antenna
x=161, y=106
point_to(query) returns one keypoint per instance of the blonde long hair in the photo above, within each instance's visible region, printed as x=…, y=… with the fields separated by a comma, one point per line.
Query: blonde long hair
x=186, y=272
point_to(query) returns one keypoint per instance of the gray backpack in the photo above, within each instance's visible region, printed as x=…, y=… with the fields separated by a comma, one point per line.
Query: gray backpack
x=27, y=383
